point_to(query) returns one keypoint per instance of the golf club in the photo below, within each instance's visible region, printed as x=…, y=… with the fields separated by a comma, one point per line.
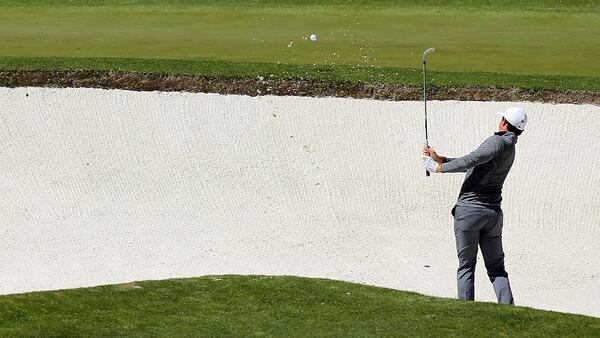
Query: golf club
x=427, y=52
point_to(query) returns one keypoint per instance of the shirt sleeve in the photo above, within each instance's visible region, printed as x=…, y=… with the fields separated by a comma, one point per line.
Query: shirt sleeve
x=484, y=153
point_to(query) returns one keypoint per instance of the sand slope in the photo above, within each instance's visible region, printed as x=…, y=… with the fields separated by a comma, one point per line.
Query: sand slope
x=107, y=186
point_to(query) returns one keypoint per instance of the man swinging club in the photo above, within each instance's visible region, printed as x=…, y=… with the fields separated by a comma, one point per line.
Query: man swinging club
x=477, y=213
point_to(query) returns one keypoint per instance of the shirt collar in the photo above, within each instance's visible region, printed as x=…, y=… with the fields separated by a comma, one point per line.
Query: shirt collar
x=508, y=134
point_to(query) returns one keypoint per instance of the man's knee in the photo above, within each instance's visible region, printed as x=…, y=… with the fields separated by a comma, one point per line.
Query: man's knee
x=493, y=261
x=466, y=246
x=467, y=262
x=496, y=271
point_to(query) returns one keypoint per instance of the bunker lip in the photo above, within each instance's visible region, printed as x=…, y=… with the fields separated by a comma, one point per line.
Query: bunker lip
x=256, y=86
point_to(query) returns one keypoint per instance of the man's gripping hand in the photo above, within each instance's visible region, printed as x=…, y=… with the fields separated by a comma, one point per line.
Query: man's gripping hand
x=428, y=151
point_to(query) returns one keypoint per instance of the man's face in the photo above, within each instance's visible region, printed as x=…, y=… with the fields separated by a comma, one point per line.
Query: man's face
x=501, y=124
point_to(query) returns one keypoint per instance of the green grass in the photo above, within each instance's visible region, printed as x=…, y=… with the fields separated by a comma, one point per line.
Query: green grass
x=259, y=306
x=537, y=5
x=530, y=37
x=335, y=73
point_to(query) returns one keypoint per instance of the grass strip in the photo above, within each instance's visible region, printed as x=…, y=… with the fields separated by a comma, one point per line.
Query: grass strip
x=489, y=5
x=335, y=73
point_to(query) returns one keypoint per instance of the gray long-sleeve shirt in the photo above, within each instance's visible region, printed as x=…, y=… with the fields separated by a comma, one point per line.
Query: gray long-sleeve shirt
x=487, y=168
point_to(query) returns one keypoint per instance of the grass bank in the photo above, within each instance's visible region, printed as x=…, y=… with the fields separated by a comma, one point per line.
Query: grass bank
x=252, y=306
x=333, y=73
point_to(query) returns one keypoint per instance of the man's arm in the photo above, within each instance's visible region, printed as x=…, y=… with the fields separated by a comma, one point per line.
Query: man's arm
x=484, y=153
x=439, y=159
x=445, y=159
x=442, y=160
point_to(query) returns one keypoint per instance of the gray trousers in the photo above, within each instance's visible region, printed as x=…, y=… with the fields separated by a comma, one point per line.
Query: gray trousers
x=481, y=227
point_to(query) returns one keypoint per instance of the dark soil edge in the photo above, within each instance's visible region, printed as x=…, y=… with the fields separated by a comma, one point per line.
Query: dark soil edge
x=276, y=86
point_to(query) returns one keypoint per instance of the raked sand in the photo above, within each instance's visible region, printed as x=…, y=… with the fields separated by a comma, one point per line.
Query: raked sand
x=109, y=186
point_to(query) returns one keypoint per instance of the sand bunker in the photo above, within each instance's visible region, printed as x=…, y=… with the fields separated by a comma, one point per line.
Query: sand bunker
x=108, y=186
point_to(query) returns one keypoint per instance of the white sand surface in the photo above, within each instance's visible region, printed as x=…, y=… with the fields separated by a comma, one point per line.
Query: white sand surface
x=109, y=186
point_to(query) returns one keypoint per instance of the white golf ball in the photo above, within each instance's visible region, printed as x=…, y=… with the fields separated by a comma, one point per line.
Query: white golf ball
x=313, y=37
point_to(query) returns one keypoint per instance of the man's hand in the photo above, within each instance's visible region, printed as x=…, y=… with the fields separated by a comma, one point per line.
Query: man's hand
x=430, y=165
x=428, y=151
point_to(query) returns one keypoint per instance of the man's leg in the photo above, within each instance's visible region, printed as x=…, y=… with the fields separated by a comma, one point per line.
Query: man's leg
x=493, y=256
x=466, y=248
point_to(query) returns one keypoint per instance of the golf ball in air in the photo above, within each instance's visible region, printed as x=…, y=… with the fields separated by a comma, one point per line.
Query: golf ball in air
x=313, y=37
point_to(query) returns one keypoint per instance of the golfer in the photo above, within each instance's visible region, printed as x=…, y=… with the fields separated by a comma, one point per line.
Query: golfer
x=477, y=213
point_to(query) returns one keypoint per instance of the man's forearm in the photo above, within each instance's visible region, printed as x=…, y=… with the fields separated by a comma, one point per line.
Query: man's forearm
x=449, y=159
x=443, y=159
x=440, y=160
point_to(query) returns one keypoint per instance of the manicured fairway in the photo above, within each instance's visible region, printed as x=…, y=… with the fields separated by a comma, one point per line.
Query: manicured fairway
x=537, y=37
x=253, y=306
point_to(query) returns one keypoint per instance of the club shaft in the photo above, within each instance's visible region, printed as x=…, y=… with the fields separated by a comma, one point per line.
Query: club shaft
x=425, y=100
x=425, y=104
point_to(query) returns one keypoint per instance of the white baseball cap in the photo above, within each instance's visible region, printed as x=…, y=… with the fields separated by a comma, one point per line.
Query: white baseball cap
x=515, y=116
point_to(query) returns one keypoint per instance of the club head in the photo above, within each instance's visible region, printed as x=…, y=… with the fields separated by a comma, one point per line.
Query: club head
x=427, y=52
